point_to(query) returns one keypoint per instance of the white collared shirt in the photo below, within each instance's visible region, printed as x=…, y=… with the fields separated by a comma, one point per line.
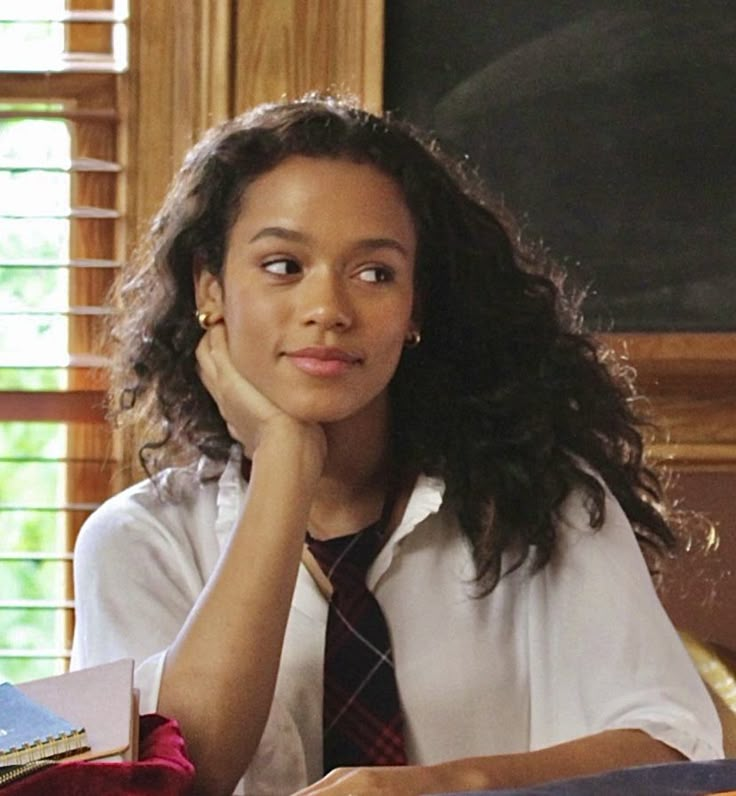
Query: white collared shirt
x=580, y=647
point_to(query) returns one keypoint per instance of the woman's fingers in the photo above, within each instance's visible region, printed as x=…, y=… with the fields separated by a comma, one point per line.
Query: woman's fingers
x=241, y=405
x=376, y=781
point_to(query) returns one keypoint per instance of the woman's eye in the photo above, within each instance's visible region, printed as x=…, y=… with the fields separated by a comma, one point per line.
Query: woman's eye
x=376, y=273
x=282, y=267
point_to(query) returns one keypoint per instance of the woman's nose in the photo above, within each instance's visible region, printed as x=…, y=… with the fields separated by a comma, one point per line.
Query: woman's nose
x=325, y=302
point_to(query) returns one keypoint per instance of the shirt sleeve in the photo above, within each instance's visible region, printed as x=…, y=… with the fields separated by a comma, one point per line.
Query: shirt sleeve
x=136, y=579
x=596, y=613
x=140, y=564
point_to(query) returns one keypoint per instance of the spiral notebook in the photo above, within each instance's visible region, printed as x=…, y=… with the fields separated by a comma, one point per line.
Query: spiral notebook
x=29, y=731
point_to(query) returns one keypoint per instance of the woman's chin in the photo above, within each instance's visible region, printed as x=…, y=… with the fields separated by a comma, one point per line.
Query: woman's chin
x=330, y=412
x=321, y=415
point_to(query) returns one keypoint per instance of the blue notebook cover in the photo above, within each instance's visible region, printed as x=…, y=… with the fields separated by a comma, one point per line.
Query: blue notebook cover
x=30, y=732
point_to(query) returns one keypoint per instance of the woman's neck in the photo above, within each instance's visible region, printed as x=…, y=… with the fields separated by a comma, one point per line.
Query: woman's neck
x=353, y=487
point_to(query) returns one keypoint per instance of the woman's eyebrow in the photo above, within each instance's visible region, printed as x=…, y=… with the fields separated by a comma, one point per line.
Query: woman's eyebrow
x=281, y=232
x=381, y=243
x=294, y=235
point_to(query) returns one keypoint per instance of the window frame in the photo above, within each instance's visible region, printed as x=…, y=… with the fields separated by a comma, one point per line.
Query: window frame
x=92, y=101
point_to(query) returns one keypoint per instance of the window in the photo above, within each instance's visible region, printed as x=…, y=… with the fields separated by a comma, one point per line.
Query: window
x=62, y=86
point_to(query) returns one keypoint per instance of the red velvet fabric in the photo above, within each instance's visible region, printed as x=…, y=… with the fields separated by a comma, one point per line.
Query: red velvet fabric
x=162, y=769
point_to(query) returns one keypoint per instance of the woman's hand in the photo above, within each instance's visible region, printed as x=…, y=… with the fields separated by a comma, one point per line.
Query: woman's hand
x=379, y=780
x=249, y=414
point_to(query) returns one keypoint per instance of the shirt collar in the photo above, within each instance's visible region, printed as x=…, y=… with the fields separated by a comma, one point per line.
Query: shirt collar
x=425, y=500
x=231, y=490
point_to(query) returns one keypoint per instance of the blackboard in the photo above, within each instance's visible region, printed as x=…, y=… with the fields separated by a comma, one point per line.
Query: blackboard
x=609, y=129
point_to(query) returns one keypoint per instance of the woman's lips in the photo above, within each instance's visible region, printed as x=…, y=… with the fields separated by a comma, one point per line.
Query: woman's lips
x=323, y=361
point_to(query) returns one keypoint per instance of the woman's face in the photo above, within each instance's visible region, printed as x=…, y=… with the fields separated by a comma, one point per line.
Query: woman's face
x=317, y=290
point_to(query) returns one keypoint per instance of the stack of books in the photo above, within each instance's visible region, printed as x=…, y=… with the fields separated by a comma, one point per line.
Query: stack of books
x=89, y=714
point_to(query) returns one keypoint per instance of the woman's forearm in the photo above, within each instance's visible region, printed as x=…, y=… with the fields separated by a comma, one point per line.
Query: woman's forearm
x=221, y=670
x=590, y=755
x=584, y=756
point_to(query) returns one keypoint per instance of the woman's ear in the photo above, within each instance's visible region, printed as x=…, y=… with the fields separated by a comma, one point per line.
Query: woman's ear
x=208, y=293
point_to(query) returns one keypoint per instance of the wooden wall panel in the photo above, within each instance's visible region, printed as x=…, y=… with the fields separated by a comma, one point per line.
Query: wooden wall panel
x=197, y=62
x=698, y=586
x=181, y=84
x=285, y=48
x=690, y=382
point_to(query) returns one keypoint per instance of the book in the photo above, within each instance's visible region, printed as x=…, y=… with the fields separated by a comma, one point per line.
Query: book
x=30, y=731
x=102, y=700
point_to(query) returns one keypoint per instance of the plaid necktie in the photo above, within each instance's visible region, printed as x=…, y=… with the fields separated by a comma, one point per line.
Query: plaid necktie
x=362, y=718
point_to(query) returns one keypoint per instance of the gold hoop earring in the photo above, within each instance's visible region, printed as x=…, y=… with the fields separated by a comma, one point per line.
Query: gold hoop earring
x=413, y=338
x=203, y=319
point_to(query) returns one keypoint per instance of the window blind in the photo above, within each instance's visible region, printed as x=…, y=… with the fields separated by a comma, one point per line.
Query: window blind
x=62, y=87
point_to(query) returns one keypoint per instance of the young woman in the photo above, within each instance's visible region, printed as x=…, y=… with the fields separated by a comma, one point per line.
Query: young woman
x=333, y=336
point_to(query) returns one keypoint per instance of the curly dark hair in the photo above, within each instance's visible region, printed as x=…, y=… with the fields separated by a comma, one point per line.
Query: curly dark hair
x=506, y=398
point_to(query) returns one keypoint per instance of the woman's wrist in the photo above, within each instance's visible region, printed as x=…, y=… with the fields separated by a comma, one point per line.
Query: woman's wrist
x=465, y=774
x=287, y=443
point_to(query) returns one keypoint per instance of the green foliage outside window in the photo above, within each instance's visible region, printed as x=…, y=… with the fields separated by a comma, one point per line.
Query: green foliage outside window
x=32, y=479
